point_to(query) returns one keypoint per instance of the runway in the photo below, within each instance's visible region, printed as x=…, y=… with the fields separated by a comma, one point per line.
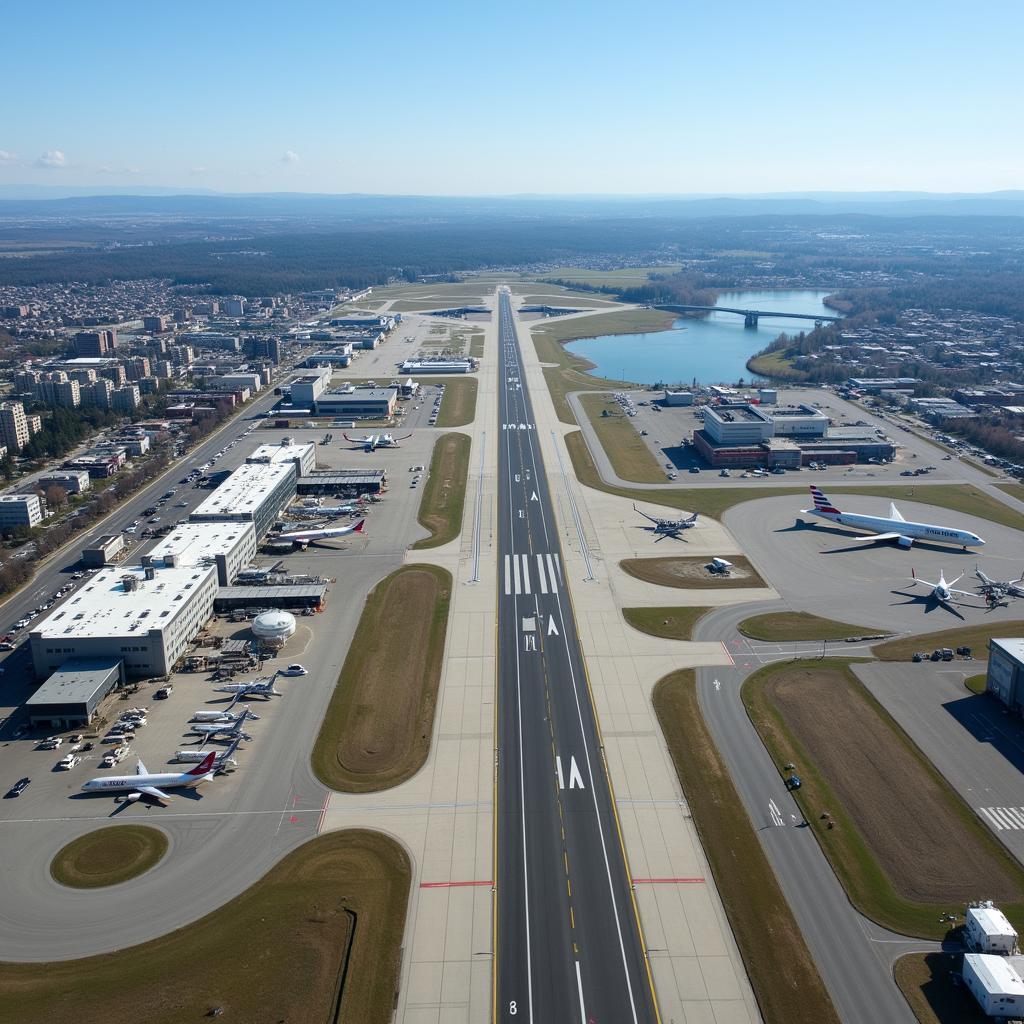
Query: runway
x=568, y=943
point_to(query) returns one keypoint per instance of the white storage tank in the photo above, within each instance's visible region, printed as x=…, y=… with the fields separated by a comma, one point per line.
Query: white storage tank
x=273, y=628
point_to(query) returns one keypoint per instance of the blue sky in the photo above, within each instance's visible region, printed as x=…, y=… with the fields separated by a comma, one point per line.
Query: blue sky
x=654, y=96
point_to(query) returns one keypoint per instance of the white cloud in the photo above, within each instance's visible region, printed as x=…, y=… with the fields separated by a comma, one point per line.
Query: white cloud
x=7, y=157
x=52, y=158
x=290, y=157
x=198, y=170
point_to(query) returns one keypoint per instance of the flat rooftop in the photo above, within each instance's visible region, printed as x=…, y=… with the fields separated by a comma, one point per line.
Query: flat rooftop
x=732, y=413
x=360, y=394
x=195, y=543
x=75, y=681
x=245, y=490
x=102, y=607
x=794, y=410
x=272, y=453
x=1013, y=646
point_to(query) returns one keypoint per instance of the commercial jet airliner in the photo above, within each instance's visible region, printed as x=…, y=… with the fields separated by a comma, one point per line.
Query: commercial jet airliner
x=152, y=785
x=893, y=527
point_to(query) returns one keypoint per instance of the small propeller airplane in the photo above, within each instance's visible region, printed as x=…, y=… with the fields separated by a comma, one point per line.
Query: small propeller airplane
x=374, y=441
x=669, y=527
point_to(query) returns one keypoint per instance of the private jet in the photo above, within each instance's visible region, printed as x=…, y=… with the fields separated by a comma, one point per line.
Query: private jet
x=222, y=759
x=152, y=785
x=263, y=689
x=303, y=538
x=223, y=730
x=894, y=527
x=669, y=527
x=372, y=442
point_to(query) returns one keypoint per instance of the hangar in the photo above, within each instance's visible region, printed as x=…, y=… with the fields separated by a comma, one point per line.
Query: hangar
x=70, y=696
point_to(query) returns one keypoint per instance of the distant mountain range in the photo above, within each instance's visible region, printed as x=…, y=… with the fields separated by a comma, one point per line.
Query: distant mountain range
x=91, y=201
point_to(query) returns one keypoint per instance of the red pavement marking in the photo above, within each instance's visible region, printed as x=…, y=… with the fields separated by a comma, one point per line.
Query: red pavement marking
x=666, y=881
x=728, y=655
x=451, y=885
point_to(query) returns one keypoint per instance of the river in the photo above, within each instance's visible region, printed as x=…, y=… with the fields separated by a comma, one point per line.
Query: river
x=712, y=350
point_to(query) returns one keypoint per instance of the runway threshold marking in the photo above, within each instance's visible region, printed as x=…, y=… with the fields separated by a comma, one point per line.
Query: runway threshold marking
x=1004, y=817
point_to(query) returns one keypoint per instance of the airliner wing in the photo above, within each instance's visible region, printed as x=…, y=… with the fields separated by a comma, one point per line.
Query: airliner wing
x=886, y=536
x=154, y=793
x=646, y=516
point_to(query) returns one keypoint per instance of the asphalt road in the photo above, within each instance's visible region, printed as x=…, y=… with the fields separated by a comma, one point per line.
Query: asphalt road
x=854, y=955
x=568, y=940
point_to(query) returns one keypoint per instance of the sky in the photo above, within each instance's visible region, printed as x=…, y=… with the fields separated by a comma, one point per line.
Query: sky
x=555, y=97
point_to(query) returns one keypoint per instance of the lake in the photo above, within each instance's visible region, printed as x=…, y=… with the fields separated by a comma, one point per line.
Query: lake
x=712, y=350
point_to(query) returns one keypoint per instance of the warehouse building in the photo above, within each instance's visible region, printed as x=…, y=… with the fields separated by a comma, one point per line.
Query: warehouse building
x=254, y=493
x=987, y=930
x=678, y=398
x=230, y=546
x=296, y=597
x=142, y=615
x=343, y=483
x=108, y=548
x=438, y=366
x=353, y=403
x=70, y=697
x=1005, y=679
x=303, y=455
x=309, y=387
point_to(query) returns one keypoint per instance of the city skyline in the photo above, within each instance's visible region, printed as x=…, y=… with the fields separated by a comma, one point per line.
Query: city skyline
x=458, y=100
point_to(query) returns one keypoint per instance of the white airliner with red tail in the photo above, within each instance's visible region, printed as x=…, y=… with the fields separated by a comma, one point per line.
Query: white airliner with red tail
x=144, y=783
x=894, y=527
x=303, y=538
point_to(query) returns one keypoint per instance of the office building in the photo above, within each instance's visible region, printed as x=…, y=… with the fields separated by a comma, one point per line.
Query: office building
x=231, y=547
x=254, y=493
x=20, y=510
x=74, y=481
x=143, y=615
x=251, y=382
x=303, y=455
x=308, y=388
x=358, y=403
x=95, y=343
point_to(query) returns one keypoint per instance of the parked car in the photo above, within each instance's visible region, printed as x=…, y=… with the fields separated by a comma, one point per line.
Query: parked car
x=295, y=670
x=18, y=788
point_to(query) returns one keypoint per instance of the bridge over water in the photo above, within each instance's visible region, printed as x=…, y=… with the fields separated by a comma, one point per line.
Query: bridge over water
x=750, y=316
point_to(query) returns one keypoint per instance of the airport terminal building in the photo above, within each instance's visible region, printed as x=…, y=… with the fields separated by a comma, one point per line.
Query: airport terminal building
x=255, y=493
x=230, y=546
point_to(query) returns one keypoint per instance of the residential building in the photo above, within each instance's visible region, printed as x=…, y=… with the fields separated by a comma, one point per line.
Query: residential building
x=95, y=343
x=14, y=430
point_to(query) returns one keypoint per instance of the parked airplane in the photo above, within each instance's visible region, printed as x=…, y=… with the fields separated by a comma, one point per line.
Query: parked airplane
x=223, y=730
x=147, y=784
x=942, y=591
x=374, y=441
x=254, y=689
x=894, y=527
x=669, y=527
x=303, y=538
x=1000, y=588
x=221, y=758
x=222, y=715
x=327, y=512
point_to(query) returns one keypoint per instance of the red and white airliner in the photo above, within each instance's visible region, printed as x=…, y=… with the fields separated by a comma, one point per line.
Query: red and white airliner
x=152, y=785
x=303, y=538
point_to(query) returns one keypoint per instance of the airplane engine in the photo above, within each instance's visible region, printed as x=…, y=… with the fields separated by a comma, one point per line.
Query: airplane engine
x=905, y=542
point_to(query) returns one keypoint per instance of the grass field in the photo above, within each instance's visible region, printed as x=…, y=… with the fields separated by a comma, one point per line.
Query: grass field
x=926, y=981
x=476, y=345
x=671, y=623
x=976, y=684
x=554, y=296
x=376, y=732
x=798, y=626
x=1014, y=490
x=427, y=302
x=975, y=637
x=688, y=573
x=458, y=407
x=775, y=364
x=108, y=856
x=782, y=973
x=901, y=835
x=444, y=494
x=630, y=457
x=714, y=501
x=292, y=933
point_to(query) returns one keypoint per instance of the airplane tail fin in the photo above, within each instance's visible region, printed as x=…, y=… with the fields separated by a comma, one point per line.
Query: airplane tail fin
x=358, y=528
x=205, y=766
x=894, y=513
x=692, y=518
x=821, y=503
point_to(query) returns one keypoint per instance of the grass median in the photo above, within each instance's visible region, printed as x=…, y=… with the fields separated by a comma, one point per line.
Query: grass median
x=317, y=939
x=782, y=972
x=690, y=572
x=782, y=626
x=458, y=407
x=975, y=637
x=670, y=623
x=630, y=457
x=904, y=845
x=930, y=982
x=108, y=856
x=376, y=731
x=444, y=495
